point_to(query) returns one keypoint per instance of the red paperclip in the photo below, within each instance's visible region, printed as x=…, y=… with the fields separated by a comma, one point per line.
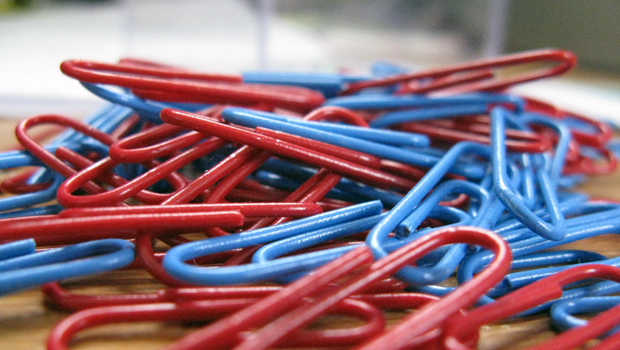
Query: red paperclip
x=17, y=184
x=611, y=342
x=213, y=309
x=174, y=179
x=386, y=294
x=417, y=87
x=125, y=150
x=461, y=331
x=137, y=148
x=56, y=162
x=175, y=85
x=451, y=132
x=273, y=209
x=62, y=299
x=334, y=113
x=48, y=158
x=220, y=333
x=236, y=134
x=127, y=190
x=296, y=292
x=589, y=166
x=116, y=225
x=603, y=131
x=564, y=59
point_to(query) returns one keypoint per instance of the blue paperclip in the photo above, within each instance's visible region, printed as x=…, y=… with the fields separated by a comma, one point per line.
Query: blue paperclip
x=580, y=227
x=274, y=121
x=328, y=84
x=557, y=229
x=377, y=237
x=146, y=109
x=270, y=251
x=415, y=218
x=35, y=211
x=281, y=247
x=576, y=204
x=518, y=279
x=588, y=214
x=29, y=269
x=174, y=261
x=346, y=189
x=562, y=311
x=30, y=199
x=16, y=249
x=383, y=69
x=383, y=101
x=585, y=226
x=253, y=118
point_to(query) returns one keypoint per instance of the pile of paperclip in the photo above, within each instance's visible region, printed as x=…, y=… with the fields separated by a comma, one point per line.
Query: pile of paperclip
x=280, y=197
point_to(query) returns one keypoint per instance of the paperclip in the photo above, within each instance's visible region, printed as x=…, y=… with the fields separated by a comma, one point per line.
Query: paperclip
x=282, y=174
x=613, y=341
x=555, y=230
x=285, y=246
x=519, y=279
x=65, y=300
x=586, y=226
x=53, y=161
x=103, y=172
x=146, y=109
x=603, y=161
x=323, y=147
x=389, y=137
x=182, y=86
x=378, y=235
x=71, y=229
x=385, y=294
x=256, y=312
x=403, y=108
x=18, y=184
x=223, y=332
x=246, y=209
x=286, y=149
x=212, y=310
x=440, y=83
x=116, y=195
x=313, y=190
x=409, y=224
x=207, y=179
x=52, y=182
x=32, y=198
x=175, y=259
x=252, y=118
x=517, y=140
x=107, y=120
x=425, y=319
x=589, y=132
x=328, y=84
x=16, y=249
x=460, y=331
x=562, y=311
x=591, y=223
x=564, y=62
x=336, y=115
x=28, y=270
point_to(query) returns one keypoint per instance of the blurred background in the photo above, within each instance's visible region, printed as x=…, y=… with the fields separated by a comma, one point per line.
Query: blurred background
x=231, y=36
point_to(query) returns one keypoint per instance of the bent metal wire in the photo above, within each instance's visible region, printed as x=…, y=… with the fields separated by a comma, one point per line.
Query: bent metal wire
x=305, y=180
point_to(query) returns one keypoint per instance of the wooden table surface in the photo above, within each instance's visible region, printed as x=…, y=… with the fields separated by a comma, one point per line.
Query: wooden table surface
x=25, y=321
